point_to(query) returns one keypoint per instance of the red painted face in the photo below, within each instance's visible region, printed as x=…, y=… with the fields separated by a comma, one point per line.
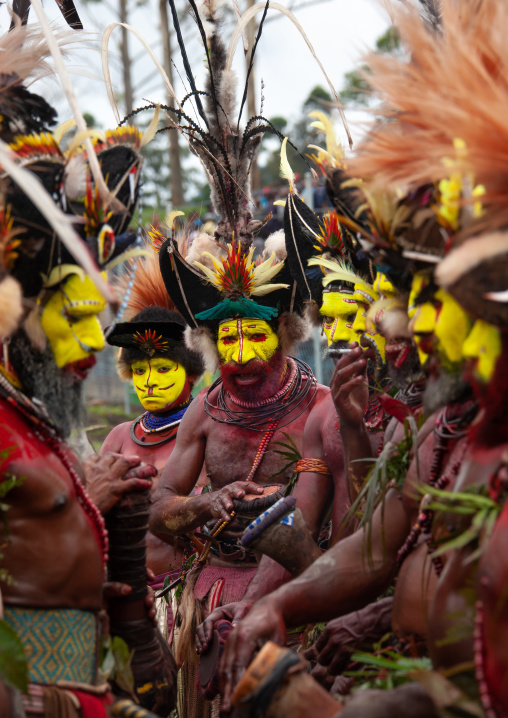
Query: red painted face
x=257, y=379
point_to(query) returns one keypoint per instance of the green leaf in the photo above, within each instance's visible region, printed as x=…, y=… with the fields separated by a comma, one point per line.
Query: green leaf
x=123, y=675
x=13, y=664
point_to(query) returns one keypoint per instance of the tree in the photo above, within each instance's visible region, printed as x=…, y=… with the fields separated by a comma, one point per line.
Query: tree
x=356, y=90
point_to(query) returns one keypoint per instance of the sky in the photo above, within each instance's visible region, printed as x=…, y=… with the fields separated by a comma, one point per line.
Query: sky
x=340, y=31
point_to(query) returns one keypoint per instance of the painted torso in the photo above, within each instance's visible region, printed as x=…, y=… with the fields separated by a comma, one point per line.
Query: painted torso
x=231, y=450
x=52, y=550
x=162, y=555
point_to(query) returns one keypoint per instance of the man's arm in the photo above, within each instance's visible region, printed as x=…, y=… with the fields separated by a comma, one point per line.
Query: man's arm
x=344, y=579
x=350, y=394
x=174, y=511
x=313, y=493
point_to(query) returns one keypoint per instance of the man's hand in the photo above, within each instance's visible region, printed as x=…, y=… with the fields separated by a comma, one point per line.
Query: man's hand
x=349, y=387
x=109, y=476
x=221, y=501
x=334, y=646
x=233, y=612
x=264, y=622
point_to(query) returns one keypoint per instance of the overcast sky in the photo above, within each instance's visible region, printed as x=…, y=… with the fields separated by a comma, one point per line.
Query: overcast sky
x=339, y=30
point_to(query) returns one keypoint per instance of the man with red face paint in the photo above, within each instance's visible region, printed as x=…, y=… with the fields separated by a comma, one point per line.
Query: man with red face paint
x=262, y=398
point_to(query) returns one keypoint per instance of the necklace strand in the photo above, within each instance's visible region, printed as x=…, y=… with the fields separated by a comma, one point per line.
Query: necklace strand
x=300, y=392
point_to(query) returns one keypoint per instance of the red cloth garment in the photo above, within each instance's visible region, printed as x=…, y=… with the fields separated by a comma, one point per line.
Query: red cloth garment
x=93, y=706
x=236, y=582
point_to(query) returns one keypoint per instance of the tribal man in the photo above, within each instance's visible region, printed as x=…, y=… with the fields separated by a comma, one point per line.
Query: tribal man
x=56, y=547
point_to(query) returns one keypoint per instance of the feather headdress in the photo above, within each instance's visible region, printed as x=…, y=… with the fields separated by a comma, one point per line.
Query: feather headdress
x=447, y=107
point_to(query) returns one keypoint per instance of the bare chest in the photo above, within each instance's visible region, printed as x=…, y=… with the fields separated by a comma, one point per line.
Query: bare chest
x=232, y=452
x=150, y=451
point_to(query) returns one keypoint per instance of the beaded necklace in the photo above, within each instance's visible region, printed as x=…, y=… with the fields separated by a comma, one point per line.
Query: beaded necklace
x=151, y=423
x=47, y=432
x=299, y=389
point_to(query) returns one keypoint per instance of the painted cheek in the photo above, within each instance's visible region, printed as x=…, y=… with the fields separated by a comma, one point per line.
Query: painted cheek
x=342, y=331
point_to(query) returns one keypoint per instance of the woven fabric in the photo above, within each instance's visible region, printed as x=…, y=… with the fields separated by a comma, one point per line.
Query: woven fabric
x=60, y=644
x=236, y=582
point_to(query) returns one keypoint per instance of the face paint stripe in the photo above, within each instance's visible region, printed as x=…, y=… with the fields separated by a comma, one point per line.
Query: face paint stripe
x=240, y=337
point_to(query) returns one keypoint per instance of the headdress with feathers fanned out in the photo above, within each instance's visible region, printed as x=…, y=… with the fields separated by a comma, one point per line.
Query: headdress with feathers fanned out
x=451, y=92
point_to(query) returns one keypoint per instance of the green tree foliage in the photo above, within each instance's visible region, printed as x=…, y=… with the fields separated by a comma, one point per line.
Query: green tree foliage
x=356, y=90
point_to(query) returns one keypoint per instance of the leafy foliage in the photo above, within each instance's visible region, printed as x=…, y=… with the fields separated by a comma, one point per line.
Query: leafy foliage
x=390, y=468
x=474, y=503
x=115, y=663
x=13, y=665
x=288, y=451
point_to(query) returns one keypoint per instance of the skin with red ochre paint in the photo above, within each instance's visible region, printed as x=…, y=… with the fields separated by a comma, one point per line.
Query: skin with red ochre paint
x=52, y=552
x=163, y=553
x=342, y=580
x=229, y=452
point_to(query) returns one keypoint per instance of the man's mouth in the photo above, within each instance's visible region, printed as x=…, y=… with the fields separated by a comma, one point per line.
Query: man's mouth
x=397, y=354
x=246, y=379
x=80, y=369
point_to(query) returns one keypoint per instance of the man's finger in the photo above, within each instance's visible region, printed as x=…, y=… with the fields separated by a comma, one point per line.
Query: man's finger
x=249, y=487
x=125, y=487
x=143, y=471
x=114, y=589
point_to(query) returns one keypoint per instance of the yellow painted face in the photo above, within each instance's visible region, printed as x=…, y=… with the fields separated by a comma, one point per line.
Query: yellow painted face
x=338, y=311
x=442, y=322
x=483, y=346
x=241, y=340
x=422, y=317
x=365, y=296
x=70, y=320
x=383, y=286
x=158, y=382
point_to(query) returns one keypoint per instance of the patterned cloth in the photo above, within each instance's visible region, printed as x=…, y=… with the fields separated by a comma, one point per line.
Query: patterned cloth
x=60, y=644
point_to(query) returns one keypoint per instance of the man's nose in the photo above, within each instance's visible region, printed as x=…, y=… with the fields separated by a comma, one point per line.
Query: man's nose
x=245, y=352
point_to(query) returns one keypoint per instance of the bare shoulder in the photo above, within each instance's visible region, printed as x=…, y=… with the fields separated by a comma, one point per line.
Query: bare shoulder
x=115, y=440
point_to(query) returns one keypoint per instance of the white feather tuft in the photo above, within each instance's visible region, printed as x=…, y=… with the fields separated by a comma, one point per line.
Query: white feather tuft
x=75, y=177
x=285, y=168
x=204, y=243
x=11, y=307
x=201, y=340
x=276, y=244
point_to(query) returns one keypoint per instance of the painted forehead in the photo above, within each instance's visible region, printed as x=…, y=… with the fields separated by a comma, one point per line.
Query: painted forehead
x=233, y=325
x=365, y=294
x=337, y=303
x=82, y=295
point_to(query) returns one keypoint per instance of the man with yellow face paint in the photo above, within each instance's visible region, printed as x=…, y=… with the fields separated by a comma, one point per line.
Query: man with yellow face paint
x=163, y=371
x=440, y=327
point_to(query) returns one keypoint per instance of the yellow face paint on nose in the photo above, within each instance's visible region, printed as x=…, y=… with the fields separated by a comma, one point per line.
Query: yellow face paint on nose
x=338, y=311
x=158, y=382
x=483, y=346
x=422, y=317
x=365, y=296
x=69, y=320
x=383, y=286
x=241, y=340
x=453, y=325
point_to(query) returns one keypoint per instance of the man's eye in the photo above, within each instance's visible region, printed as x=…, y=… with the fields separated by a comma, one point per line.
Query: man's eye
x=229, y=340
x=163, y=369
x=71, y=319
x=139, y=372
x=352, y=317
x=328, y=320
x=258, y=337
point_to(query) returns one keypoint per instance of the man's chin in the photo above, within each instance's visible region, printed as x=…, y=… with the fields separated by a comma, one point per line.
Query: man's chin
x=79, y=370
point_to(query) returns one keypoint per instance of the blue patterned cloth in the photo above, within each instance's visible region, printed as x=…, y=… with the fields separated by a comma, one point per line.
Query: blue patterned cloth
x=60, y=644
